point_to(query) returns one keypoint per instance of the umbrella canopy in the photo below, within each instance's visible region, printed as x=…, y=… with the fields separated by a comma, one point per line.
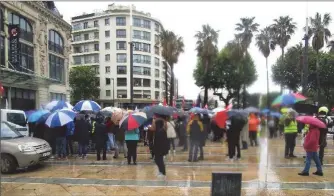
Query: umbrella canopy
x=252, y=110
x=275, y=114
x=117, y=116
x=60, y=118
x=87, y=105
x=28, y=113
x=36, y=115
x=106, y=113
x=221, y=118
x=265, y=111
x=58, y=105
x=288, y=99
x=310, y=120
x=161, y=110
x=232, y=113
x=219, y=109
x=197, y=110
x=133, y=120
x=43, y=118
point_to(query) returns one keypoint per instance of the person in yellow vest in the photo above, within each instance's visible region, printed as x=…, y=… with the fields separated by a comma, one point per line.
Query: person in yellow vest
x=290, y=133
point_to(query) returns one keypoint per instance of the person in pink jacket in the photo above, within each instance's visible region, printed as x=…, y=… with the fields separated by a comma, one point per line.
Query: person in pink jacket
x=311, y=145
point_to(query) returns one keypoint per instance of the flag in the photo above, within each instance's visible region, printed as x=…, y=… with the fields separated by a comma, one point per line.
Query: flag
x=206, y=106
x=2, y=90
x=228, y=107
x=164, y=103
x=183, y=102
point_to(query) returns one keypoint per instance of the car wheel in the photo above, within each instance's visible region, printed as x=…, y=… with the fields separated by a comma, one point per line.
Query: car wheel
x=8, y=164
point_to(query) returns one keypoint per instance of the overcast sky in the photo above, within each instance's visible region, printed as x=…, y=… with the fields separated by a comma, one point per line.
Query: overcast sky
x=185, y=18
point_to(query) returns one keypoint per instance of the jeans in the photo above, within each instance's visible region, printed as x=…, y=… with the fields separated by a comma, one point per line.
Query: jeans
x=290, y=143
x=82, y=149
x=132, y=150
x=253, y=137
x=172, y=143
x=61, y=146
x=111, y=140
x=315, y=157
x=159, y=160
x=69, y=145
x=118, y=146
x=194, y=145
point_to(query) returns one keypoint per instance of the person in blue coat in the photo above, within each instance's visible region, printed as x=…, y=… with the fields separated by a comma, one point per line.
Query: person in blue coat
x=131, y=139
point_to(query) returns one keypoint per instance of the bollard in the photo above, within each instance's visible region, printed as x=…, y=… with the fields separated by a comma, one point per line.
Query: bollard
x=226, y=184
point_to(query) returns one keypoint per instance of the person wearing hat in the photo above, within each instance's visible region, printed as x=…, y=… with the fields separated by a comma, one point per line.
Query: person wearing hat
x=322, y=115
x=290, y=134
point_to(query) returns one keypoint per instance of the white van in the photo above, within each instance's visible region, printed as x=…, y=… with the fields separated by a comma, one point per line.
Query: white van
x=17, y=118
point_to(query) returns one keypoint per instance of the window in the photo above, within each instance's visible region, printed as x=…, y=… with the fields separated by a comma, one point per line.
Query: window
x=156, y=50
x=121, y=70
x=120, y=21
x=146, y=83
x=107, y=57
x=56, y=43
x=107, y=69
x=2, y=49
x=157, y=27
x=96, y=23
x=146, y=59
x=96, y=35
x=156, y=61
x=107, y=45
x=77, y=60
x=136, y=22
x=27, y=58
x=107, y=21
x=156, y=39
x=85, y=25
x=157, y=84
x=76, y=37
x=147, y=94
x=2, y=18
x=147, y=36
x=56, y=67
x=121, y=33
x=121, y=58
x=156, y=94
x=108, y=92
x=137, y=70
x=136, y=34
x=26, y=31
x=57, y=96
x=86, y=48
x=146, y=47
x=137, y=82
x=147, y=71
x=121, y=82
x=156, y=73
x=107, y=33
x=121, y=45
x=121, y=94
x=137, y=58
x=97, y=71
x=108, y=81
x=147, y=24
x=136, y=46
x=137, y=94
x=96, y=47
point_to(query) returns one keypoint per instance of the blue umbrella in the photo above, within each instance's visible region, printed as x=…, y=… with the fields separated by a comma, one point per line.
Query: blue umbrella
x=60, y=118
x=28, y=113
x=43, y=118
x=275, y=114
x=199, y=110
x=161, y=110
x=37, y=115
x=87, y=105
x=58, y=105
x=265, y=111
x=252, y=110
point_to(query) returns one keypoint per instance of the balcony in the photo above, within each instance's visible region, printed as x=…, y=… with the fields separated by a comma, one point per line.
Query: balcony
x=142, y=61
x=85, y=52
x=81, y=40
x=142, y=25
x=84, y=28
x=141, y=37
x=87, y=62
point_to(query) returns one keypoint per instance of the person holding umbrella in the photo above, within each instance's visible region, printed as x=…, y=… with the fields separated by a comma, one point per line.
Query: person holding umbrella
x=101, y=137
x=195, y=130
x=82, y=132
x=311, y=144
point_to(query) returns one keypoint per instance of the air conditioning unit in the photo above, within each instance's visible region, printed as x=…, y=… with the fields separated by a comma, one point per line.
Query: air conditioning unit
x=119, y=96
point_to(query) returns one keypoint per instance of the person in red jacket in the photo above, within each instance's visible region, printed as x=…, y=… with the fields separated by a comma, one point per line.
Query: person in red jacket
x=311, y=145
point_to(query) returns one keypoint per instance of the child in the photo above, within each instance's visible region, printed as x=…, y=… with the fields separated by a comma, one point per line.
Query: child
x=311, y=145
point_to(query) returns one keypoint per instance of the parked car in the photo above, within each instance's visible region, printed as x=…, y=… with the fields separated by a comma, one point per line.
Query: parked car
x=18, y=151
x=18, y=118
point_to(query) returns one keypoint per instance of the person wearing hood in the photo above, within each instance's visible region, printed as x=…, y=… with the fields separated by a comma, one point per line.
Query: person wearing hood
x=311, y=145
x=235, y=127
x=322, y=116
x=161, y=145
x=101, y=137
x=290, y=133
x=119, y=141
x=171, y=133
x=195, y=130
x=253, y=123
x=82, y=133
x=182, y=126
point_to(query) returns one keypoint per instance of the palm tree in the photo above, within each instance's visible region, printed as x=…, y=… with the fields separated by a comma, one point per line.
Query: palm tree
x=207, y=41
x=172, y=47
x=283, y=28
x=331, y=46
x=264, y=41
x=320, y=32
x=246, y=28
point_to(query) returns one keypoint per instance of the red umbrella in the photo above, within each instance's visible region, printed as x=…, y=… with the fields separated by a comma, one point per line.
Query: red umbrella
x=310, y=120
x=221, y=118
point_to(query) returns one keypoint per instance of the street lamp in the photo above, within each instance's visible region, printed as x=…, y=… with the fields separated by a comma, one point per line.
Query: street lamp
x=305, y=60
x=113, y=91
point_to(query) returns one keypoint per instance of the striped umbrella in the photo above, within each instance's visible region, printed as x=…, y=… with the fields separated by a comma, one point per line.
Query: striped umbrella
x=87, y=105
x=60, y=118
x=58, y=105
x=132, y=120
x=35, y=116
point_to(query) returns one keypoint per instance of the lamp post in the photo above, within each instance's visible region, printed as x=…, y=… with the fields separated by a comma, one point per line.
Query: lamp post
x=305, y=60
x=113, y=91
x=131, y=60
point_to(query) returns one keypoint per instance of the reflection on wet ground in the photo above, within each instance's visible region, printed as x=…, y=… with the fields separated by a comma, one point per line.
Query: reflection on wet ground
x=264, y=171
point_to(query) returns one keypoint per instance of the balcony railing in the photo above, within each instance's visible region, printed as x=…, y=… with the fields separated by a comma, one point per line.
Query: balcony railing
x=87, y=61
x=78, y=39
x=147, y=26
x=82, y=27
x=142, y=61
x=142, y=37
x=85, y=51
x=121, y=60
x=121, y=83
x=120, y=36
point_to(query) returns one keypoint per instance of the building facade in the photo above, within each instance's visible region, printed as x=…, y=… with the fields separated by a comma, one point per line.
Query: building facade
x=101, y=39
x=35, y=48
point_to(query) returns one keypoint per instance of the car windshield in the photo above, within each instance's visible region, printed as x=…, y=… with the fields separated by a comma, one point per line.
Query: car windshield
x=17, y=118
x=8, y=133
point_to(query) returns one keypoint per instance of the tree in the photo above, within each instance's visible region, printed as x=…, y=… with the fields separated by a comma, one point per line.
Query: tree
x=206, y=47
x=172, y=47
x=265, y=43
x=83, y=83
x=246, y=28
x=265, y=100
x=320, y=32
x=331, y=46
x=283, y=28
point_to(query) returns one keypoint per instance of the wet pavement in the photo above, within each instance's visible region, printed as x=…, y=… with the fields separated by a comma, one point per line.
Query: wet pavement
x=264, y=172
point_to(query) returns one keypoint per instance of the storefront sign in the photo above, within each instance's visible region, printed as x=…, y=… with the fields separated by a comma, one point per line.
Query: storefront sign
x=14, y=45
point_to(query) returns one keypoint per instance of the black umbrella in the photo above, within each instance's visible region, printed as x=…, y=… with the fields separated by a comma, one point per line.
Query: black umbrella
x=162, y=110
